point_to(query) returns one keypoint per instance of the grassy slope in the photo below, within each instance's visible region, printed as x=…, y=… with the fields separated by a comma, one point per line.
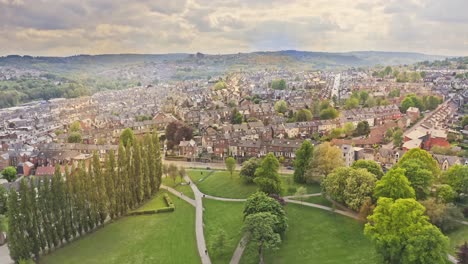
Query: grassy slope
x=228, y=217
x=316, y=236
x=220, y=183
x=161, y=238
x=185, y=189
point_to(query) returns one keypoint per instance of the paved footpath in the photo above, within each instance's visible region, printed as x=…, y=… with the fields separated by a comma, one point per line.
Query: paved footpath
x=201, y=244
x=179, y=194
x=236, y=257
x=5, y=255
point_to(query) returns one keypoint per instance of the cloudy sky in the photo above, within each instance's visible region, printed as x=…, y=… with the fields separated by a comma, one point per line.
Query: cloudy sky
x=69, y=27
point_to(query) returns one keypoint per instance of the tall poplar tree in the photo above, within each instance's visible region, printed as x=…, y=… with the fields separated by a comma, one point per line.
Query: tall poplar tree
x=157, y=161
x=100, y=189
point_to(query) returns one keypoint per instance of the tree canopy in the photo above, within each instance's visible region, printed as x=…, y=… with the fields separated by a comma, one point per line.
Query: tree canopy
x=325, y=159
x=267, y=177
x=281, y=106
x=127, y=137
x=230, y=163
x=394, y=185
x=302, y=161
x=401, y=233
x=371, y=166
x=261, y=202
x=425, y=158
x=9, y=173
x=248, y=169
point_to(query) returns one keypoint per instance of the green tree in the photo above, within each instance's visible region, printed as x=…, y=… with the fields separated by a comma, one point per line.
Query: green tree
x=18, y=243
x=397, y=138
x=394, y=185
x=236, y=117
x=278, y=84
x=9, y=173
x=75, y=126
x=371, y=166
x=267, y=177
x=402, y=233
x=424, y=157
x=300, y=192
x=351, y=103
x=230, y=163
x=329, y=113
x=348, y=128
x=219, y=241
x=303, y=115
x=157, y=162
x=260, y=202
x=111, y=185
x=464, y=121
x=281, y=106
x=127, y=136
x=457, y=177
x=220, y=85
x=302, y=161
x=247, y=172
x=259, y=227
x=3, y=200
x=420, y=178
x=325, y=159
x=75, y=137
x=362, y=129
x=101, y=194
x=444, y=216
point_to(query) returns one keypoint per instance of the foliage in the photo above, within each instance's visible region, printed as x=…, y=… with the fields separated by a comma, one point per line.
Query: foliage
x=281, y=106
x=127, y=137
x=236, y=117
x=398, y=138
x=442, y=215
x=445, y=193
x=425, y=158
x=302, y=161
x=219, y=241
x=177, y=132
x=9, y=173
x=303, y=115
x=349, y=186
x=259, y=202
x=362, y=129
x=267, y=177
x=248, y=169
x=351, y=103
x=402, y=233
x=220, y=85
x=278, y=84
x=75, y=126
x=260, y=227
x=325, y=159
x=464, y=121
x=420, y=178
x=371, y=166
x=74, y=137
x=394, y=185
x=457, y=177
x=230, y=163
x=329, y=113
x=3, y=200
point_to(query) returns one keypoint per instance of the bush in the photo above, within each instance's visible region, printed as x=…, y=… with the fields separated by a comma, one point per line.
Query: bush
x=165, y=210
x=168, y=201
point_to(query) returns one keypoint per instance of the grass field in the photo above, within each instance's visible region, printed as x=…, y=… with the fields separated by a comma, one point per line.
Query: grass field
x=160, y=238
x=457, y=238
x=220, y=183
x=316, y=200
x=315, y=236
x=185, y=189
x=228, y=217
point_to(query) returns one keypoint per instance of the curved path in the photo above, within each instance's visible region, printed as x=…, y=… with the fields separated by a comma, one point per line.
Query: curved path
x=201, y=244
x=223, y=199
x=179, y=194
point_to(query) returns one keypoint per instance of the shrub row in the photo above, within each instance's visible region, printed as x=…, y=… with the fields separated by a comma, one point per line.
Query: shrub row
x=170, y=208
x=169, y=201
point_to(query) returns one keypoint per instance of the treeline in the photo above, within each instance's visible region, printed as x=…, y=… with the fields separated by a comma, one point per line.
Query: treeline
x=49, y=212
x=422, y=103
x=21, y=90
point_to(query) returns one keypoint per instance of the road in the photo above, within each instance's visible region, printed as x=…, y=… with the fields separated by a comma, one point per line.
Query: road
x=336, y=88
x=415, y=126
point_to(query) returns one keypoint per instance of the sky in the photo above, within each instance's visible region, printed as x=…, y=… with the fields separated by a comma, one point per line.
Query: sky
x=70, y=27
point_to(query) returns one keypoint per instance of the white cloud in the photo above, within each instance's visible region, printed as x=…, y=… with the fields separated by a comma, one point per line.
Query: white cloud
x=64, y=27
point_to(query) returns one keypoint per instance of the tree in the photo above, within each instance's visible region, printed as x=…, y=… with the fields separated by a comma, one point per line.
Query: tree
x=259, y=227
x=236, y=117
x=267, y=177
x=420, y=178
x=457, y=178
x=302, y=161
x=230, y=165
x=351, y=103
x=425, y=158
x=9, y=173
x=329, y=113
x=247, y=172
x=17, y=241
x=462, y=254
x=303, y=115
x=74, y=137
x=394, y=185
x=371, y=166
x=349, y=186
x=442, y=215
x=348, y=128
x=127, y=137
x=260, y=202
x=3, y=200
x=397, y=138
x=281, y=106
x=464, y=121
x=220, y=85
x=172, y=171
x=75, y=126
x=402, y=233
x=362, y=128
x=325, y=159
x=278, y=84
x=445, y=193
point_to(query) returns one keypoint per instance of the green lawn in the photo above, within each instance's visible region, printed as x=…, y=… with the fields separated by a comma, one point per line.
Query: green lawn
x=457, y=238
x=220, y=183
x=228, y=217
x=185, y=189
x=316, y=236
x=160, y=238
x=316, y=200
